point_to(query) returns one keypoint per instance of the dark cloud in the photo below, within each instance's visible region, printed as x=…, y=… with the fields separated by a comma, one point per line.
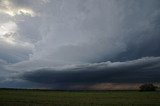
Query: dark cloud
x=136, y=71
x=146, y=41
x=4, y=72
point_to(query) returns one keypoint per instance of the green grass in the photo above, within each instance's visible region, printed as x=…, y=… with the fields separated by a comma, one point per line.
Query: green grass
x=84, y=98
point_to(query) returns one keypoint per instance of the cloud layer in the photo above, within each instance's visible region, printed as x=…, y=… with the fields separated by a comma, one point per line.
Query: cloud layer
x=136, y=71
x=79, y=42
x=71, y=32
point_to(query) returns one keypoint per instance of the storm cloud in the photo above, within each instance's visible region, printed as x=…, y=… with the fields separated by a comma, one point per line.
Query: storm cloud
x=59, y=42
x=136, y=71
x=96, y=31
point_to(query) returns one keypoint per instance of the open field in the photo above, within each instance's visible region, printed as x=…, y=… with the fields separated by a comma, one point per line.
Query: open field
x=78, y=98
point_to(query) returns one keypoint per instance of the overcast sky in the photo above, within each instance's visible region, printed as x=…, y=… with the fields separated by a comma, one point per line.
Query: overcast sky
x=65, y=43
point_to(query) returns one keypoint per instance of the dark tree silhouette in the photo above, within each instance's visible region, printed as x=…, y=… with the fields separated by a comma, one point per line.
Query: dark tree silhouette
x=147, y=87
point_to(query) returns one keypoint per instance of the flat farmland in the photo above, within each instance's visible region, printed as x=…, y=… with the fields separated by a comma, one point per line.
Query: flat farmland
x=78, y=98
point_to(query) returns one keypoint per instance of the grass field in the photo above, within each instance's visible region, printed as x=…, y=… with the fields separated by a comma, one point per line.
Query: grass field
x=82, y=98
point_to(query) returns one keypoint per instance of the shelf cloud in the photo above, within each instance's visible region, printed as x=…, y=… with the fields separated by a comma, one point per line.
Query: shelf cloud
x=135, y=71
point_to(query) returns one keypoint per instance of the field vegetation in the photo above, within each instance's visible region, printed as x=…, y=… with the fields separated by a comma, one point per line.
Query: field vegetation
x=78, y=98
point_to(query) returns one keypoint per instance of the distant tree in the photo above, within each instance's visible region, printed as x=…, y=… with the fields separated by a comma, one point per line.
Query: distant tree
x=147, y=87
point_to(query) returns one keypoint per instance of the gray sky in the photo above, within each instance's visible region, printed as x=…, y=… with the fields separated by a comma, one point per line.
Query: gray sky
x=61, y=43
